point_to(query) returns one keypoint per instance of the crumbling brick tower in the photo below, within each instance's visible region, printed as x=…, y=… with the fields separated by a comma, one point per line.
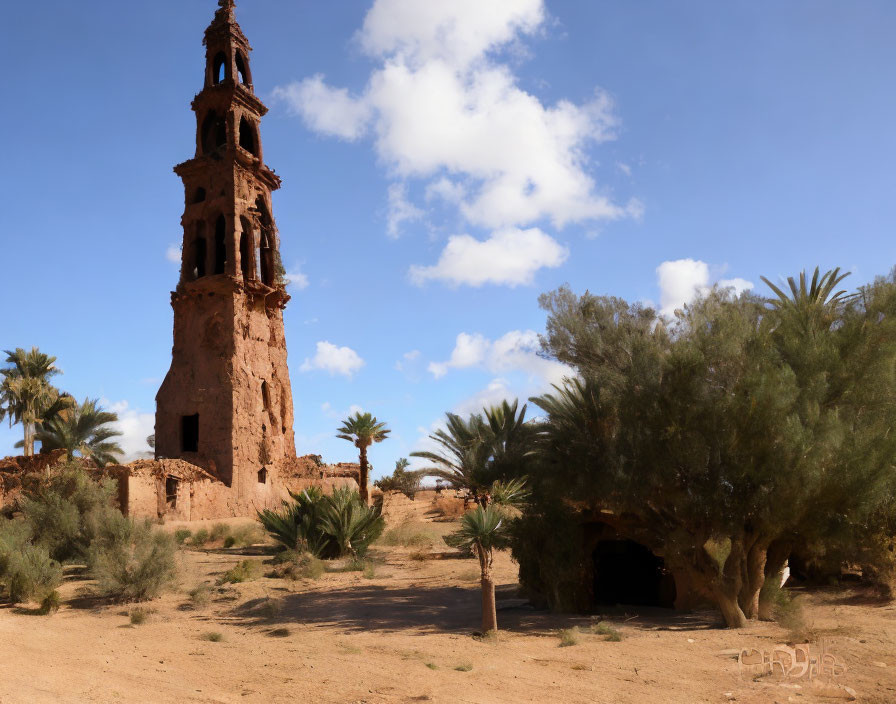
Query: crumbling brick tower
x=226, y=403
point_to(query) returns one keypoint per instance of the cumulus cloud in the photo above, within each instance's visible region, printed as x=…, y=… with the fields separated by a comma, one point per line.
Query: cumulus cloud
x=330, y=412
x=172, y=254
x=333, y=359
x=682, y=280
x=331, y=111
x=135, y=427
x=297, y=279
x=510, y=257
x=401, y=210
x=515, y=351
x=441, y=105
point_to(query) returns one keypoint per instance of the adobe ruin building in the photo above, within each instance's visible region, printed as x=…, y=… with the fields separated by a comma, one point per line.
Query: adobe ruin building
x=224, y=413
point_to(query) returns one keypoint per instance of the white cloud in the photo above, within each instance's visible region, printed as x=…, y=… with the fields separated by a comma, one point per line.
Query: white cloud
x=624, y=168
x=401, y=210
x=173, y=254
x=407, y=359
x=331, y=111
x=330, y=412
x=135, y=427
x=297, y=279
x=510, y=257
x=333, y=359
x=515, y=351
x=442, y=106
x=682, y=280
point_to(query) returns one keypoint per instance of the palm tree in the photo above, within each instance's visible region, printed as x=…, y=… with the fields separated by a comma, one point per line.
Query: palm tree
x=363, y=430
x=483, y=530
x=476, y=452
x=816, y=301
x=26, y=395
x=83, y=429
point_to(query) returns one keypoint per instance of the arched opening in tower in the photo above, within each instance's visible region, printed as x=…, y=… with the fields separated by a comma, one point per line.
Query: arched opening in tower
x=265, y=396
x=242, y=69
x=220, y=245
x=265, y=252
x=199, y=195
x=219, y=68
x=247, y=136
x=245, y=249
x=626, y=572
x=199, y=252
x=214, y=132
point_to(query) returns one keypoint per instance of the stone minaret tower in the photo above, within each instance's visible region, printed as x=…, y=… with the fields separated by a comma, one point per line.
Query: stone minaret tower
x=226, y=403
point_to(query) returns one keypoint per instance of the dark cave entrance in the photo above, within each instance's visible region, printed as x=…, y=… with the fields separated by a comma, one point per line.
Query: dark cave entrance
x=626, y=572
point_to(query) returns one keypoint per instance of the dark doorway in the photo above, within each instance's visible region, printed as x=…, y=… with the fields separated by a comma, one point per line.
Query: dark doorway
x=247, y=136
x=626, y=572
x=171, y=484
x=189, y=433
x=199, y=254
x=263, y=476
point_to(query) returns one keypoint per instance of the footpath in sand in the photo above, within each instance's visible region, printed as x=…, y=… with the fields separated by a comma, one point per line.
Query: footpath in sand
x=405, y=633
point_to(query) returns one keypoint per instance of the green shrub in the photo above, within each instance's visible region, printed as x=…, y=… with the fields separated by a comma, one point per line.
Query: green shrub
x=31, y=574
x=229, y=542
x=326, y=526
x=14, y=535
x=131, y=561
x=464, y=668
x=200, y=538
x=298, y=565
x=138, y=616
x=181, y=535
x=242, y=572
x=410, y=534
x=606, y=630
x=245, y=535
x=200, y=595
x=219, y=531
x=50, y=603
x=568, y=637
x=65, y=510
x=212, y=636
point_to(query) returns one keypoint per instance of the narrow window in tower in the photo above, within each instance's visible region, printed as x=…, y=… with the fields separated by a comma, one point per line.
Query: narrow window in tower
x=220, y=245
x=199, y=254
x=242, y=69
x=247, y=136
x=245, y=237
x=262, y=476
x=189, y=433
x=199, y=196
x=265, y=396
x=219, y=68
x=265, y=252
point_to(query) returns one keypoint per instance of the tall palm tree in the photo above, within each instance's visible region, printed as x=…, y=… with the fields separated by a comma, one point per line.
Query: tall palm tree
x=476, y=452
x=26, y=395
x=363, y=430
x=483, y=530
x=83, y=428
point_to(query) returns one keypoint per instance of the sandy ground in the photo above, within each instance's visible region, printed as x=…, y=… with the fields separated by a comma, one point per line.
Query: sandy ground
x=407, y=635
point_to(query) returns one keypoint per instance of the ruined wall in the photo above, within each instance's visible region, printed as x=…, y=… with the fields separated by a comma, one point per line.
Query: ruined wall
x=178, y=490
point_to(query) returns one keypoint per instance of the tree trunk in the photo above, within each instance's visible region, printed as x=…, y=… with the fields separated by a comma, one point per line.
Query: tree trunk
x=753, y=578
x=489, y=610
x=29, y=439
x=725, y=587
x=363, y=478
x=777, y=556
x=731, y=611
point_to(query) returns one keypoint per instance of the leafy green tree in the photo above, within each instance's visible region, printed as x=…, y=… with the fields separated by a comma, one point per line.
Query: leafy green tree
x=83, y=429
x=743, y=423
x=408, y=483
x=363, y=429
x=483, y=531
x=26, y=395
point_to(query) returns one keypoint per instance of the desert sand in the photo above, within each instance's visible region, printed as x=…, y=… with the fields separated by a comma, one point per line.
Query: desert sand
x=407, y=633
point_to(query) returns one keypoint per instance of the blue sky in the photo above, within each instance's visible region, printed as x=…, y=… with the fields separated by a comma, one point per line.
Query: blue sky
x=443, y=164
